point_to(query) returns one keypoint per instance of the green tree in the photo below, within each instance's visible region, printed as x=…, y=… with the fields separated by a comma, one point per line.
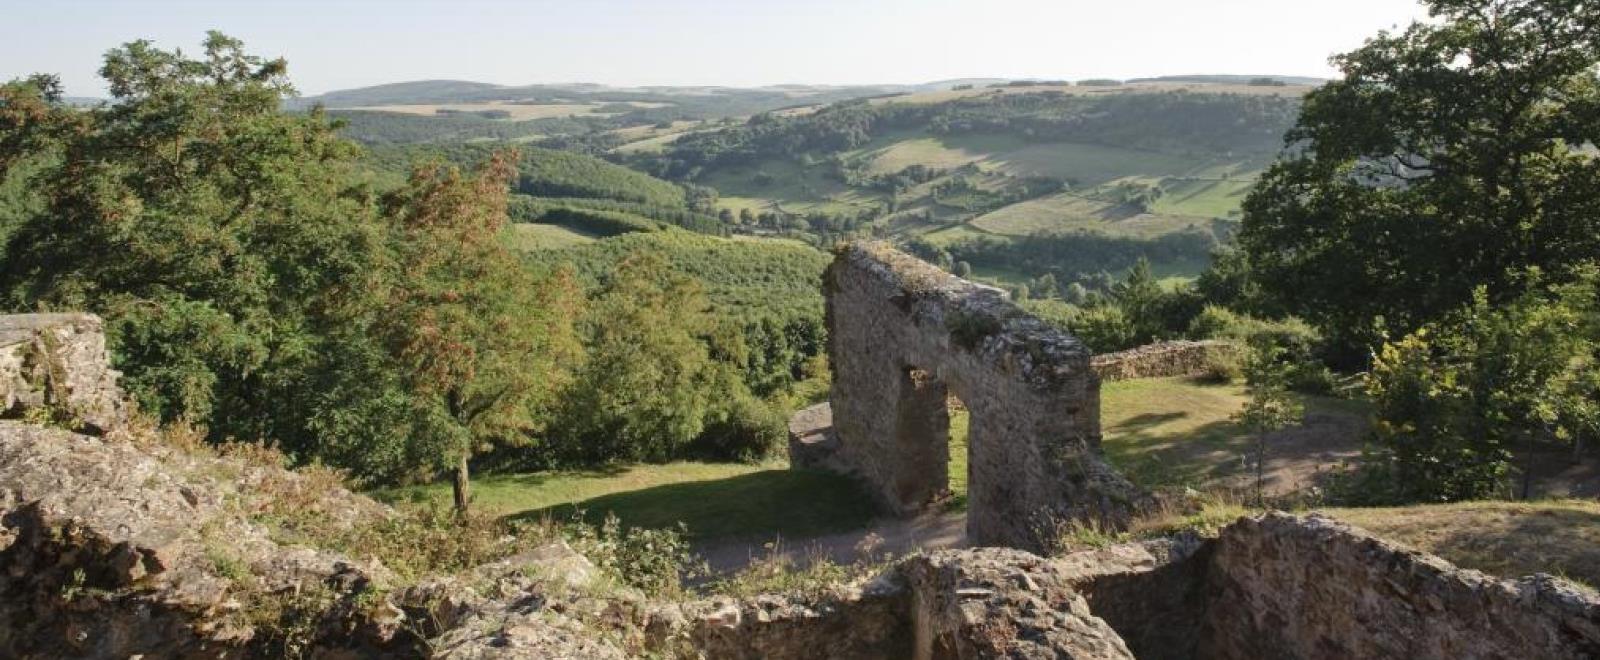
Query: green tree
x=218, y=236
x=481, y=345
x=1455, y=398
x=650, y=382
x=1271, y=407
x=1447, y=157
x=1142, y=301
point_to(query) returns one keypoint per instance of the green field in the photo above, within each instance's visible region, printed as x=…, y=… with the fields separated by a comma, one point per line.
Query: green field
x=1203, y=197
x=528, y=236
x=779, y=184
x=1070, y=212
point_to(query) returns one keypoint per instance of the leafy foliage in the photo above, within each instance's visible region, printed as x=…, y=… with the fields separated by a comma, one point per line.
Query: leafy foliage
x=480, y=346
x=1456, y=397
x=547, y=173
x=1447, y=158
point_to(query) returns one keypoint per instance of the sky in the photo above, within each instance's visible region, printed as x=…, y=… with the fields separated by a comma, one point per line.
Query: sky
x=340, y=44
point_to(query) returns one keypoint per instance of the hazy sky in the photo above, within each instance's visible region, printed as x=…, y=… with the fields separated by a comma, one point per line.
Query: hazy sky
x=334, y=44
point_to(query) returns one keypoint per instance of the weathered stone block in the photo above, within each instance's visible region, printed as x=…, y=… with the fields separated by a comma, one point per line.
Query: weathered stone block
x=59, y=360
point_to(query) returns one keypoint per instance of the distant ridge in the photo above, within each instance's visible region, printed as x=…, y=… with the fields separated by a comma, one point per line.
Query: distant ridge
x=466, y=91
x=1230, y=79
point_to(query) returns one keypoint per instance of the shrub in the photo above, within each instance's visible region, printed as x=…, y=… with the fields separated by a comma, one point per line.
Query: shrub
x=1105, y=328
x=1311, y=377
x=655, y=561
x=749, y=430
x=1222, y=366
x=1295, y=338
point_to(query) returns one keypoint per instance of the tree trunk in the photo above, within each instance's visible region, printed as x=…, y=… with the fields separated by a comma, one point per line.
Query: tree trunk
x=462, y=486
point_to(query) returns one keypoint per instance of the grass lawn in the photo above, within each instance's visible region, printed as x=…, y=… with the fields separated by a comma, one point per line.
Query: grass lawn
x=1179, y=432
x=715, y=500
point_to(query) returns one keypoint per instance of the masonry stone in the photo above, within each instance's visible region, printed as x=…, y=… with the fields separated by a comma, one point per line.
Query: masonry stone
x=903, y=336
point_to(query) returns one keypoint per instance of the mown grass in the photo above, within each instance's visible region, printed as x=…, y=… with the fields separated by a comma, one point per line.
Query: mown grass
x=1178, y=432
x=714, y=500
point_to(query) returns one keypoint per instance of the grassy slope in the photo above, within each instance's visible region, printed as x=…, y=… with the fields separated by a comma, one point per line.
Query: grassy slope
x=525, y=236
x=1070, y=212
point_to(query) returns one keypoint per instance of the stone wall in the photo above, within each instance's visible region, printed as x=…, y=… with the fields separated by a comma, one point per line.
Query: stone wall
x=1288, y=587
x=1283, y=586
x=1163, y=359
x=59, y=361
x=904, y=335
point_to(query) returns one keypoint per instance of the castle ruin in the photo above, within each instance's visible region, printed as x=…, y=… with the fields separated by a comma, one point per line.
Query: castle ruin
x=903, y=336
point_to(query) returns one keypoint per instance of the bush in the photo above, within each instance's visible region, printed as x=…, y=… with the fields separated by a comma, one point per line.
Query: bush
x=655, y=561
x=1222, y=367
x=1312, y=377
x=1105, y=329
x=749, y=430
x=1297, y=340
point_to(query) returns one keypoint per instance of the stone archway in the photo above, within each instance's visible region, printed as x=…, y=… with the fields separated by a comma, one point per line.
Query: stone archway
x=902, y=336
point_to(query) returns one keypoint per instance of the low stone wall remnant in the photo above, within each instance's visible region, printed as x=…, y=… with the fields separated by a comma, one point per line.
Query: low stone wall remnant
x=1162, y=359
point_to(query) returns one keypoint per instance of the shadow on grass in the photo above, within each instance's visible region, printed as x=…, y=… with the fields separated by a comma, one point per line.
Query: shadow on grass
x=790, y=503
x=1154, y=458
x=1147, y=420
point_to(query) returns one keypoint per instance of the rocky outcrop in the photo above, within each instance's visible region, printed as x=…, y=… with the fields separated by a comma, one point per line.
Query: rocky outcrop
x=58, y=362
x=902, y=337
x=112, y=550
x=1162, y=359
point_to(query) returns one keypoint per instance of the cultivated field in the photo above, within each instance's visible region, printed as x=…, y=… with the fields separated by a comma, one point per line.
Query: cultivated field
x=1070, y=212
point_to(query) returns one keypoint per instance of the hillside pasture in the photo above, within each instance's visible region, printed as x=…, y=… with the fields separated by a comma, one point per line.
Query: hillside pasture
x=1070, y=212
x=530, y=236
x=1210, y=198
x=941, y=96
x=1082, y=164
x=786, y=186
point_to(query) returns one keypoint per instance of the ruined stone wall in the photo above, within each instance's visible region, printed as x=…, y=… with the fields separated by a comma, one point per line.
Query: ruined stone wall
x=902, y=336
x=1159, y=360
x=1289, y=587
x=60, y=361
